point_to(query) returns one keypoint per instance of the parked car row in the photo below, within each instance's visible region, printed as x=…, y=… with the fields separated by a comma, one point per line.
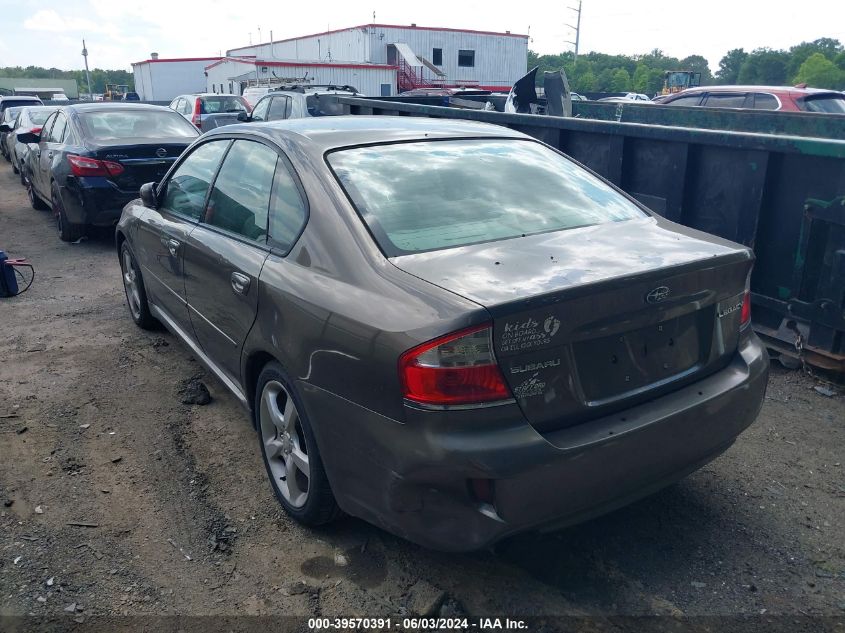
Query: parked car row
x=779, y=98
x=211, y=110
x=84, y=162
x=454, y=376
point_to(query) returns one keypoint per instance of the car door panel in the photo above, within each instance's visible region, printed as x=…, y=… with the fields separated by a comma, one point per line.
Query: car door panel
x=221, y=284
x=160, y=238
x=39, y=158
x=224, y=255
x=52, y=155
x=164, y=232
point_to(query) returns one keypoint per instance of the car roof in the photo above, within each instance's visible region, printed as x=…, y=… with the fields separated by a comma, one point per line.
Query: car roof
x=18, y=98
x=332, y=132
x=752, y=88
x=100, y=106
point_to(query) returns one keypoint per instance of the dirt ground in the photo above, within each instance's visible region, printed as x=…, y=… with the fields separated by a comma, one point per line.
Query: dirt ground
x=116, y=498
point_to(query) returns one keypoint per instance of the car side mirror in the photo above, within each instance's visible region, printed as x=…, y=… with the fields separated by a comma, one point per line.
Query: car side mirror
x=244, y=117
x=148, y=195
x=4, y=127
x=28, y=137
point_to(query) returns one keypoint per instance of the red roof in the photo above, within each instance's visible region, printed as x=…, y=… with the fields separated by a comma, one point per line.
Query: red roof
x=288, y=64
x=384, y=26
x=177, y=59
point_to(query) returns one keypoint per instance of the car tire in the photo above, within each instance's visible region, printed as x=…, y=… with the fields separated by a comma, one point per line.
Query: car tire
x=68, y=232
x=34, y=200
x=287, y=443
x=23, y=176
x=136, y=294
x=15, y=169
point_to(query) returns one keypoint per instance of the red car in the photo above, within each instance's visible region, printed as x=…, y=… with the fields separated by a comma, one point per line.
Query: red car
x=796, y=99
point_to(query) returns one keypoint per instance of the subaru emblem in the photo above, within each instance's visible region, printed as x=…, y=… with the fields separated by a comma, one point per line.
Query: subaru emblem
x=657, y=295
x=161, y=152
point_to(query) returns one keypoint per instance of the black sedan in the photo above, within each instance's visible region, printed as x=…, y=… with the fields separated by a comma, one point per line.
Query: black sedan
x=448, y=329
x=89, y=160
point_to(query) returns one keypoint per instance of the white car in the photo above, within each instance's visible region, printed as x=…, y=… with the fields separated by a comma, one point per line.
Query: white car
x=299, y=102
x=59, y=96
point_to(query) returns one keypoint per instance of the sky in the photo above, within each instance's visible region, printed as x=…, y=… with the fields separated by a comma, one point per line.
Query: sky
x=118, y=32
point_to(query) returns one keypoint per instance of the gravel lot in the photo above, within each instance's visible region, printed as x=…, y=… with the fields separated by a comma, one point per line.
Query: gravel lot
x=117, y=498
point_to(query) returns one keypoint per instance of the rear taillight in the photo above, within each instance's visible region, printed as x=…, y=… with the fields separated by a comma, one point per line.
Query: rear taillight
x=83, y=166
x=456, y=369
x=745, y=315
x=196, y=119
x=35, y=130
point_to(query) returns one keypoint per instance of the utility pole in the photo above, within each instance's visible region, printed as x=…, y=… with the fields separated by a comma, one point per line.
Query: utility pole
x=577, y=28
x=87, y=74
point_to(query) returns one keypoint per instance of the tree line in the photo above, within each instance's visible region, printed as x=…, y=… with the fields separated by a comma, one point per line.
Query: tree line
x=99, y=77
x=819, y=64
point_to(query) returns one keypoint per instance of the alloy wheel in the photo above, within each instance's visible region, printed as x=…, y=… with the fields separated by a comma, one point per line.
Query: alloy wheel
x=285, y=446
x=130, y=283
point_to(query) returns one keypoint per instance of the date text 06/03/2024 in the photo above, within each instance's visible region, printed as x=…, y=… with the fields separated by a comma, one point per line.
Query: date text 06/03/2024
x=416, y=624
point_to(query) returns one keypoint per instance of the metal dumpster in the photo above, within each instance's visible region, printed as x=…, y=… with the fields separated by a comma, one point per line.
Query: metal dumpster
x=780, y=194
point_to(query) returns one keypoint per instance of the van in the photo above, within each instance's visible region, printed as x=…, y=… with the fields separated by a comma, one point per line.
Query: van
x=253, y=94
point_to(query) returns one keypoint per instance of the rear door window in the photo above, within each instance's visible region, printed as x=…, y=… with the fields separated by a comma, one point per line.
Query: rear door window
x=240, y=198
x=431, y=195
x=188, y=186
x=288, y=209
x=731, y=100
x=688, y=100
x=765, y=101
x=278, y=108
x=57, y=134
x=45, y=130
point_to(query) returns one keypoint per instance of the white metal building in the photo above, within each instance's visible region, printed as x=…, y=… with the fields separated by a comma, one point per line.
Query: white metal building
x=233, y=74
x=421, y=55
x=377, y=59
x=159, y=79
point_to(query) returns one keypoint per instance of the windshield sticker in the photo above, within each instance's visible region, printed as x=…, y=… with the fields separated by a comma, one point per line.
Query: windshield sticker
x=521, y=335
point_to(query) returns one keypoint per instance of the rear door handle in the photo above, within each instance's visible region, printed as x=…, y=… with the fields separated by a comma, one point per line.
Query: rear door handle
x=240, y=283
x=173, y=247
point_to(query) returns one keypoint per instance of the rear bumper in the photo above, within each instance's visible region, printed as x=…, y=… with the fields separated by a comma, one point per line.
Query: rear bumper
x=412, y=478
x=94, y=201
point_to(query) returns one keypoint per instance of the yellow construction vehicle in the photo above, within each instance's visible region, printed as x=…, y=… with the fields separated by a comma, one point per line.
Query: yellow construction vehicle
x=677, y=80
x=115, y=92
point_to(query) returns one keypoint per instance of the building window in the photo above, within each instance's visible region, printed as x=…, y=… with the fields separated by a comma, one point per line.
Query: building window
x=437, y=56
x=466, y=58
x=221, y=89
x=385, y=90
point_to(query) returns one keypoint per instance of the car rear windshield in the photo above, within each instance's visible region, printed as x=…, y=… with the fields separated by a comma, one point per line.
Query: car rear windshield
x=39, y=115
x=213, y=105
x=831, y=104
x=107, y=125
x=10, y=103
x=431, y=195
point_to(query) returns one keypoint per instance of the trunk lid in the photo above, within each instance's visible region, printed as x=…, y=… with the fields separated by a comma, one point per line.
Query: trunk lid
x=143, y=160
x=592, y=320
x=211, y=121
